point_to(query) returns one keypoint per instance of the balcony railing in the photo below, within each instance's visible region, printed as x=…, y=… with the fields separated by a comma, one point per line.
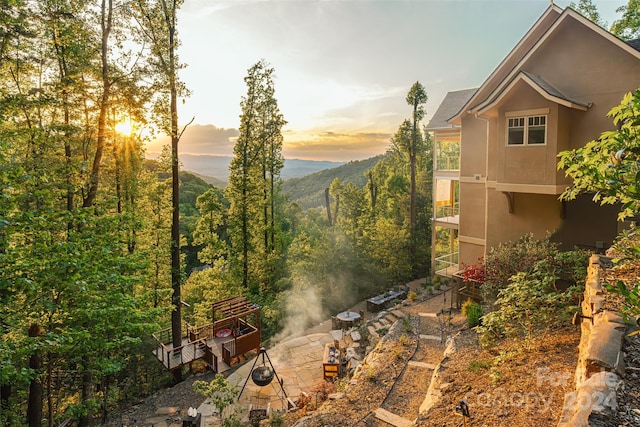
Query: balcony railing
x=448, y=162
x=448, y=213
x=447, y=265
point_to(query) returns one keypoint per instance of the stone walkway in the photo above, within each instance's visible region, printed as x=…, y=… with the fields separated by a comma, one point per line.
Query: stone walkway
x=298, y=364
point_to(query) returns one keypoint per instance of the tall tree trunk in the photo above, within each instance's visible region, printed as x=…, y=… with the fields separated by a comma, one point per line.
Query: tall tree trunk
x=245, y=230
x=86, y=392
x=327, y=202
x=373, y=192
x=265, y=208
x=273, y=214
x=94, y=178
x=34, y=405
x=176, y=314
x=5, y=398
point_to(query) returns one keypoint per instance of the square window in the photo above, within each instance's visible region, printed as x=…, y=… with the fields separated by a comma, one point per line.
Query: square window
x=530, y=130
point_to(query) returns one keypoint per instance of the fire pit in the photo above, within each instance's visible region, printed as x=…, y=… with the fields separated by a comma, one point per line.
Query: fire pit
x=262, y=375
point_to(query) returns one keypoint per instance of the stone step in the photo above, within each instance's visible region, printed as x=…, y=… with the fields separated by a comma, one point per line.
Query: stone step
x=384, y=322
x=391, y=418
x=399, y=314
x=434, y=315
x=430, y=337
x=421, y=365
x=377, y=325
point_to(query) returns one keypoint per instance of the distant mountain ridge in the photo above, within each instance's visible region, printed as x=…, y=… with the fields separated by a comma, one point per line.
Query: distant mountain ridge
x=308, y=191
x=218, y=167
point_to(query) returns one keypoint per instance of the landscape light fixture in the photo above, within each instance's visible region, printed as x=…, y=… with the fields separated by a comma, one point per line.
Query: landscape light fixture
x=463, y=408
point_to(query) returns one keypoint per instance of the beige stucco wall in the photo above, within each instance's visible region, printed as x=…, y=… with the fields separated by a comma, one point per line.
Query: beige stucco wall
x=527, y=164
x=469, y=253
x=539, y=214
x=473, y=138
x=472, y=200
x=587, y=67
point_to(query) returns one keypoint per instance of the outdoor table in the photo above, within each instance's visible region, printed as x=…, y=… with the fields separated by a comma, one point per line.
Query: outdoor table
x=348, y=317
x=379, y=302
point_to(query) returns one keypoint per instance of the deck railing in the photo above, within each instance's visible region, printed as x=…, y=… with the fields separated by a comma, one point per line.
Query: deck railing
x=447, y=265
x=240, y=345
x=445, y=211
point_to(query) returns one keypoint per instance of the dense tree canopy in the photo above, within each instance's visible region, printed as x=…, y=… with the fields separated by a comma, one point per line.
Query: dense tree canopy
x=90, y=257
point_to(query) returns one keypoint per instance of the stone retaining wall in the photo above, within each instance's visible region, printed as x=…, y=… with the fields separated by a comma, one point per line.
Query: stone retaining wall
x=600, y=362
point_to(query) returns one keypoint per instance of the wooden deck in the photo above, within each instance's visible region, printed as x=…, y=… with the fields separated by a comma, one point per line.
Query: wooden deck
x=192, y=351
x=234, y=332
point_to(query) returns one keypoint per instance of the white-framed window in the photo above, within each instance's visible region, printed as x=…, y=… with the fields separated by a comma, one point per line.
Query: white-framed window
x=527, y=130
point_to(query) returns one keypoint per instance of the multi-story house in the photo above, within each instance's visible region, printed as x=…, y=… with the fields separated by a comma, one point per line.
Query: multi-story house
x=495, y=162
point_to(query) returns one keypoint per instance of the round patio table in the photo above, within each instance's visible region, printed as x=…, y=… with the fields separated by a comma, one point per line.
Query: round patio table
x=348, y=317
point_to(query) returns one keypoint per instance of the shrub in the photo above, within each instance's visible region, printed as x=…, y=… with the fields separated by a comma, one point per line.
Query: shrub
x=626, y=250
x=511, y=258
x=411, y=295
x=276, y=419
x=474, y=314
x=529, y=304
x=476, y=366
x=220, y=393
x=465, y=306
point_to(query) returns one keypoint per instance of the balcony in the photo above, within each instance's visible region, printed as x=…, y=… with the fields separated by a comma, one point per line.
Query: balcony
x=448, y=214
x=447, y=265
x=448, y=155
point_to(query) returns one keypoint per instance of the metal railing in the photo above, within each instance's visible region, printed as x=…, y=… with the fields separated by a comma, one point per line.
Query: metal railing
x=447, y=161
x=447, y=211
x=447, y=265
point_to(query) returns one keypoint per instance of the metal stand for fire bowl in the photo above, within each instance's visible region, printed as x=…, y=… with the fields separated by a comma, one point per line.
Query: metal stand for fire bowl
x=263, y=375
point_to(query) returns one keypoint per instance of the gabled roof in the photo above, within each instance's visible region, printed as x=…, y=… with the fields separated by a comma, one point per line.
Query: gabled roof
x=481, y=98
x=539, y=85
x=449, y=107
x=634, y=44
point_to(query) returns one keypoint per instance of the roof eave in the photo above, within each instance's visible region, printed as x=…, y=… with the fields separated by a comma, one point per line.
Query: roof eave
x=465, y=108
x=522, y=77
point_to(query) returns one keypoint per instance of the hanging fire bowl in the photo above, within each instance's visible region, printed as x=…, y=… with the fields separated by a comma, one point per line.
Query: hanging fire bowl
x=262, y=375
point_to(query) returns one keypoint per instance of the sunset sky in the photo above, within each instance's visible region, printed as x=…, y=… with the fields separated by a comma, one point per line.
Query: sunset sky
x=343, y=67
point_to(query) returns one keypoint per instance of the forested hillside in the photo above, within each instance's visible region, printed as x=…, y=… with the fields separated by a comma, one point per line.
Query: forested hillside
x=308, y=191
x=97, y=244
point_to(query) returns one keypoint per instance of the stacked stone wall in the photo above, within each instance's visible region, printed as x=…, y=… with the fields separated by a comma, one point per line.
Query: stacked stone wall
x=600, y=362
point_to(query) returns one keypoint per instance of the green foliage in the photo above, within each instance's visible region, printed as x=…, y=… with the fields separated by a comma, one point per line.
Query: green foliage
x=219, y=392
x=255, y=212
x=588, y=10
x=474, y=315
x=626, y=251
x=476, y=366
x=209, y=232
x=610, y=165
x=276, y=419
x=628, y=26
x=406, y=324
x=529, y=305
x=508, y=259
x=472, y=311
